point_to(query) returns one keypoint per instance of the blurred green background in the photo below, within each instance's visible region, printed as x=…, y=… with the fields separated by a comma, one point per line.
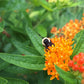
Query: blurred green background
x=40, y=16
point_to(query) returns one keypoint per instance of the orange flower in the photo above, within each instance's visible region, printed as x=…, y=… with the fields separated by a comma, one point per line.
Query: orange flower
x=82, y=22
x=70, y=29
x=58, y=54
x=27, y=10
x=83, y=14
x=54, y=30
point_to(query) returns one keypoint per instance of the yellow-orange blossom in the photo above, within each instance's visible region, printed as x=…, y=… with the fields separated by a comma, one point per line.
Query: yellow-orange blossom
x=58, y=54
x=70, y=29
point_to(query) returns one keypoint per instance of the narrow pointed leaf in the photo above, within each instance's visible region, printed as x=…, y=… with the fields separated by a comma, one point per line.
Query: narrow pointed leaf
x=35, y=40
x=70, y=78
x=27, y=61
x=80, y=41
x=41, y=30
x=34, y=37
x=24, y=50
x=46, y=5
x=29, y=25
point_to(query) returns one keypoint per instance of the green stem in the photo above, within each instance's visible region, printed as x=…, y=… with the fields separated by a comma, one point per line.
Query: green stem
x=77, y=82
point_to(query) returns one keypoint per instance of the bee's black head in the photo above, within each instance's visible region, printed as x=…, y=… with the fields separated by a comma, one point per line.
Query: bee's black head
x=46, y=42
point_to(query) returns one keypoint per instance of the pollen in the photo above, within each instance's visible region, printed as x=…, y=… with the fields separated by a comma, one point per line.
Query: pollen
x=58, y=54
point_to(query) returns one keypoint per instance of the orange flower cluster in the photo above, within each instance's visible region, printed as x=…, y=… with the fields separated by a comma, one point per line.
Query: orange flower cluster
x=77, y=63
x=58, y=54
x=70, y=29
x=61, y=50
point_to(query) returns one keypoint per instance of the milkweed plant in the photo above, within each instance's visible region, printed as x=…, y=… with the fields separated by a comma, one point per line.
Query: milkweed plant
x=24, y=25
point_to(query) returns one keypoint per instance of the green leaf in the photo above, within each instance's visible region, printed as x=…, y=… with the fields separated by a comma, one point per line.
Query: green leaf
x=29, y=27
x=15, y=69
x=3, y=81
x=16, y=24
x=27, y=61
x=3, y=64
x=81, y=48
x=46, y=5
x=17, y=29
x=80, y=43
x=24, y=50
x=41, y=30
x=28, y=20
x=35, y=40
x=34, y=37
x=75, y=4
x=35, y=2
x=1, y=29
x=16, y=81
x=43, y=3
x=67, y=76
x=33, y=14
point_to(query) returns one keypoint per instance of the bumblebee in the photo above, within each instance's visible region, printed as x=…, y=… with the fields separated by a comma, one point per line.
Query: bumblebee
x=46, y=42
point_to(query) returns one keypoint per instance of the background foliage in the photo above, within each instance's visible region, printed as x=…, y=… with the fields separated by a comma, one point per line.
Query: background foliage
x=23, y=24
